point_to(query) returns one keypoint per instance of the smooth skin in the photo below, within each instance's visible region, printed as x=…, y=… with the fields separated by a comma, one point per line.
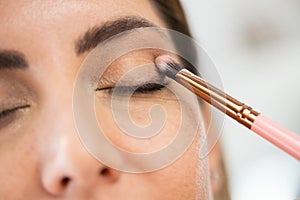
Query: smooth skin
x=41, y=155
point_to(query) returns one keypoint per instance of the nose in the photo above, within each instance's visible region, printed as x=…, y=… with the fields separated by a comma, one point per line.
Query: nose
x=74, y=170
x=66, y=166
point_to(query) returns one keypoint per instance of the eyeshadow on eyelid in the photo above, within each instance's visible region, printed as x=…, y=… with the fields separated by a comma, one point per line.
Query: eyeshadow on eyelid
x=130, y=79
x=15, y=90
x=125, y=66
x=162, y=95
x=130, y=74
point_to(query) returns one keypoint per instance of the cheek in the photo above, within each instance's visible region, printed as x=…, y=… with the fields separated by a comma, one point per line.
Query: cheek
x=185, y=178
x=18, y=158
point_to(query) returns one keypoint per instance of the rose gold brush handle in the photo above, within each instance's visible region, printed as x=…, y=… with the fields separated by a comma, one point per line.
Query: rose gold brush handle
x=280, y=137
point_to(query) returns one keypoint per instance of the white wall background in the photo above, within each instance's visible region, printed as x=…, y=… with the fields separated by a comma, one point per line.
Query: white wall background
x=256, y=48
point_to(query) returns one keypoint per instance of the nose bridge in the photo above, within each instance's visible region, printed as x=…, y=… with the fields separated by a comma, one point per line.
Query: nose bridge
x=60, y=115
x=61, y=139
x=65, y=162
x=61, y=120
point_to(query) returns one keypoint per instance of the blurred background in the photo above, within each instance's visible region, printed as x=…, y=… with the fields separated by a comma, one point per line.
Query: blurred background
x=256, y=48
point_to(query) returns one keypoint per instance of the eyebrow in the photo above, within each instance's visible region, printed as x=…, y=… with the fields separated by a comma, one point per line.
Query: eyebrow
x=10, y=59
x=98, y=34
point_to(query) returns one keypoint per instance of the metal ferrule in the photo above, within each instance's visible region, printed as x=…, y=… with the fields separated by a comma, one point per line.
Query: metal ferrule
x=216, y=97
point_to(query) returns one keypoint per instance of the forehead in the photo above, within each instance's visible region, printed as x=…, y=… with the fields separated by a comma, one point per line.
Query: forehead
x=63, y=19
x=49, y=13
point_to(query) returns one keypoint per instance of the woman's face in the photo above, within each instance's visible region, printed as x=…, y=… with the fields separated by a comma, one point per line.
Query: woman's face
x=42, y=45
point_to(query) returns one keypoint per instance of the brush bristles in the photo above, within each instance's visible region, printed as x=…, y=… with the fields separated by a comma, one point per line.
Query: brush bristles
x=168, y=66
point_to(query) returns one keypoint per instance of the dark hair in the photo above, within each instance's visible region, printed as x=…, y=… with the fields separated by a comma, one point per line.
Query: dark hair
x=172, y=13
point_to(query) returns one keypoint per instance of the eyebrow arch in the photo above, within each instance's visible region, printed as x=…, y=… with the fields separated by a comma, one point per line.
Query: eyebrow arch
x=98, y=34
x=10, y=59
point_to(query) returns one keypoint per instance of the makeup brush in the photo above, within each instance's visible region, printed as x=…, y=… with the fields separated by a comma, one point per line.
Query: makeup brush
x=258, y=123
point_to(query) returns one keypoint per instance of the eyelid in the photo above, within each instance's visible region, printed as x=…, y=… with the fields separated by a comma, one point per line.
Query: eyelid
x=149, y=94
x=110, y=81
x=145, y=88
x=133, y=81
x=8, y=111
x=11, y=115
x=134, y=68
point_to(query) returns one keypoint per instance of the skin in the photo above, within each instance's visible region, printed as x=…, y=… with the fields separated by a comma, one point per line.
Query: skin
x=41, y=155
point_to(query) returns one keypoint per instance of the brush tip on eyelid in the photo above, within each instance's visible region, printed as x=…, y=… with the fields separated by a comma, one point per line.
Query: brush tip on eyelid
x=163, y=59
x=168, y=65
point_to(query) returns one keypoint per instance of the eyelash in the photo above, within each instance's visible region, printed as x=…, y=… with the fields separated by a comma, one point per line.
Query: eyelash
x=144, y=89
x=6, y=113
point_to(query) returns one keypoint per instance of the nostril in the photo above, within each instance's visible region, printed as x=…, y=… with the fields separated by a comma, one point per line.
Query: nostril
x=109, y=175
x=65, y=181
x=104, y=172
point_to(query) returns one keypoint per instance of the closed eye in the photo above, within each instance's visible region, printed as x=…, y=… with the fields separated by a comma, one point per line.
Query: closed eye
x=7, y=112
x=146, y=88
